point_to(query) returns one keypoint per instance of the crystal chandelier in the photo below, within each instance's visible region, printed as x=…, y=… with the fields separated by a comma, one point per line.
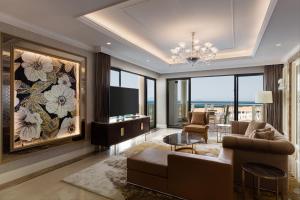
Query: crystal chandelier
x=204, y=53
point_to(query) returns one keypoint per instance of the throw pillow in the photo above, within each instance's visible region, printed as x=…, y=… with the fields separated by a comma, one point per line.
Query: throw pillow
x=263, y=130
x=198, y=118
x=267, y=135
x=252, y=135
x=254, y=125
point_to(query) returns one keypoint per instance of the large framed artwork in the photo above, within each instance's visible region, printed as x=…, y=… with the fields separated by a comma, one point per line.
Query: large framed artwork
x=45, y=90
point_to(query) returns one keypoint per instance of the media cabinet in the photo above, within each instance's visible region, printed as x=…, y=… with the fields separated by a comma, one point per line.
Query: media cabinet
x=105, y=134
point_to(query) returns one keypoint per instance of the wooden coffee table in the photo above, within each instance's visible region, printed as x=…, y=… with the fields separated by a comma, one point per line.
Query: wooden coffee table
x=263, y=171
x=181, y=141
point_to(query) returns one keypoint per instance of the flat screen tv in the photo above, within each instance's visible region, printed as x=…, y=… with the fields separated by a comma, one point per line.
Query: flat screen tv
x=123, y=101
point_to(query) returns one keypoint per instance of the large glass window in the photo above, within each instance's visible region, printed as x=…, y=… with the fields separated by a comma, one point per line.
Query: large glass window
x=248, y=86
x=114, y=78
x=130, y=80
x=214, y=95
x=150, y=101
x=225, y=98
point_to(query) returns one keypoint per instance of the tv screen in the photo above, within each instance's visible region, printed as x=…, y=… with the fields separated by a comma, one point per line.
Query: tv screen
x=123, y=101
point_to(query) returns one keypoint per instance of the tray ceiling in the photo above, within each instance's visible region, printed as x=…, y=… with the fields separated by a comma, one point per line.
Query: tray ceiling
x=234, y=27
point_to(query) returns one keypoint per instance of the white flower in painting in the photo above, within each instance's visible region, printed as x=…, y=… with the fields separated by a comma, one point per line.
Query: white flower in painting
x=68, y=126
x=17, y=101
x=36, y=66
x=64, y=80
x=60, y=100
x=27, y=124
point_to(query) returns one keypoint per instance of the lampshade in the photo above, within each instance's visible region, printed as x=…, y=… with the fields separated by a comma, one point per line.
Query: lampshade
x=264, y=97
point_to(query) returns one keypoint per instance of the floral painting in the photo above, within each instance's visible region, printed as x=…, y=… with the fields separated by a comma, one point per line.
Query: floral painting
x=46, y=99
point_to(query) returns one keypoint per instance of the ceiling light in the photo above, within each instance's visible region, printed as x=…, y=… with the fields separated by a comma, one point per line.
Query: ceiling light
x=108, y=43
x=204, y=53
x=278, y=45
x=147, y=60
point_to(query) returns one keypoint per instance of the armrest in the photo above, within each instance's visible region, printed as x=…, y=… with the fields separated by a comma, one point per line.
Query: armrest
x=195, y=177
x=260, y=145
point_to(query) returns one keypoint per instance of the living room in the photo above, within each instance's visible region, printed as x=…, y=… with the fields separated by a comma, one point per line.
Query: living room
x=149, y=99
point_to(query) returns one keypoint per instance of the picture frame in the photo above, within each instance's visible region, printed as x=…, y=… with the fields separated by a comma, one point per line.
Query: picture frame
x=38, y=118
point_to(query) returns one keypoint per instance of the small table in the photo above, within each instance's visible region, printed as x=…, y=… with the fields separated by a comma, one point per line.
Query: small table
x=262, y=171
x=221, y=130
x=183, y=140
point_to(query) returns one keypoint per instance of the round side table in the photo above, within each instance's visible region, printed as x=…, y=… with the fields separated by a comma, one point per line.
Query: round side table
x=222, y=129
x=262, y=171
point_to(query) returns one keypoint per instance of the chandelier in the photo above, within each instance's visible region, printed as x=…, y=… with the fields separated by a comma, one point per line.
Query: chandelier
x=197, y=53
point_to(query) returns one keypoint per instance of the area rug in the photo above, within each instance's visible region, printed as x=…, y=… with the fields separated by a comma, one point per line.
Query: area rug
x=108, y=177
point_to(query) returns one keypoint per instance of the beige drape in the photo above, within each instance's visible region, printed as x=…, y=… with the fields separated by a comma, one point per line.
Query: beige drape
x=272, y=73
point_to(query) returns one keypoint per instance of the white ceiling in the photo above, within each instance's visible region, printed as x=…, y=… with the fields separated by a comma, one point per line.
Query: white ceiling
x=143, y=31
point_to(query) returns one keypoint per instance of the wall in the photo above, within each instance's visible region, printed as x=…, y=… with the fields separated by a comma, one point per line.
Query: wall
x=49, y=157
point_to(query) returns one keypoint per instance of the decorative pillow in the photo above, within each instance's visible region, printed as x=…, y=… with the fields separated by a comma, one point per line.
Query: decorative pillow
x=254, y=125
x=252, y=135
x=267, y=135
x=263, y=130
x=198, y=118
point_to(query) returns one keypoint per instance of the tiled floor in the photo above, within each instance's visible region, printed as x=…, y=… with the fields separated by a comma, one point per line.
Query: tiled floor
x=50, y=187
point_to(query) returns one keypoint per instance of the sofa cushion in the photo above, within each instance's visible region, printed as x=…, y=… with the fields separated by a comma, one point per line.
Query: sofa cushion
x=198, y=118
x=195, y=128
x=253, y=125
x=151, y=161
x=267, y=135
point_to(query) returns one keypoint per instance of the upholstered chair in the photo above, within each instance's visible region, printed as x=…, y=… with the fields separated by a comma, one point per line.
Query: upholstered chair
x=198, y=123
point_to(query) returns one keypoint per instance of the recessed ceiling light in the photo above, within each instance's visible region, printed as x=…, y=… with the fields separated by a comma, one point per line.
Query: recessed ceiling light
x=278, y=45
x=108, y=43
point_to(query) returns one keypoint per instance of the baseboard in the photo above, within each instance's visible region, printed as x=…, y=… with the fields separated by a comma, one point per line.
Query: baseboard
x=25, y=173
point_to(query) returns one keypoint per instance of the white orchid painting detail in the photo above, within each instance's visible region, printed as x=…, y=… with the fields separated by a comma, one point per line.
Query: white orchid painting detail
x=46, y=96
x=60, y=100
x=36, y=66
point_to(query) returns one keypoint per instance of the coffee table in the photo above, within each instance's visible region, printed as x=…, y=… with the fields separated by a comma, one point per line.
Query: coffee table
x=183, y=140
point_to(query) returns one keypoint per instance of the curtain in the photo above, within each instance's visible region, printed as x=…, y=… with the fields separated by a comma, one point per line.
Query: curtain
x=102, y=73
x=272, y=73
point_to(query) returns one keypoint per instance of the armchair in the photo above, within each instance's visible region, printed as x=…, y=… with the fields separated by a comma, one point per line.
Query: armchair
x=197, y=123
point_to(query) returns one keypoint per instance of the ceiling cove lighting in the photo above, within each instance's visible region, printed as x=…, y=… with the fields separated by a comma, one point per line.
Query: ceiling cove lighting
x=204, y=53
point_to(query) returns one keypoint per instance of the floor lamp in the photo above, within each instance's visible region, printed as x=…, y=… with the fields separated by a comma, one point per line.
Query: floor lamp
x=264, y=97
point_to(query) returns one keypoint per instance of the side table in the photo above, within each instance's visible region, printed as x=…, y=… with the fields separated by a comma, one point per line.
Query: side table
x=262, y=171
x=221, y=130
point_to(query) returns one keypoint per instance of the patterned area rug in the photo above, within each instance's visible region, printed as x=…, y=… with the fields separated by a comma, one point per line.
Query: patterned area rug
x=108, y=177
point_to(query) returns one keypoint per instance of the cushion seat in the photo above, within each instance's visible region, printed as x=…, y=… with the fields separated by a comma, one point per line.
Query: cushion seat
x=195, y=128
x=150, y=161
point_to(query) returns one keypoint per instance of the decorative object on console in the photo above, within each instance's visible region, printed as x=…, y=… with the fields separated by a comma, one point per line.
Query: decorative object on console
x=204, y=53
x=45, y=92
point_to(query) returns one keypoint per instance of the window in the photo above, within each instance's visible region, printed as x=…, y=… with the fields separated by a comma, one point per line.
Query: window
x=214, y=95
x=130, y=80
x=114, y=78
x=225, y=98
x=248, y=86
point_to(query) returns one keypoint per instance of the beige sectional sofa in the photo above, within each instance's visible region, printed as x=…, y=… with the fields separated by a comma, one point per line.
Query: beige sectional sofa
x=271, y=152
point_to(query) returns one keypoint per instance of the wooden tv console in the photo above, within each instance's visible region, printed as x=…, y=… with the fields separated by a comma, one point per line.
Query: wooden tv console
x=105, y=134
